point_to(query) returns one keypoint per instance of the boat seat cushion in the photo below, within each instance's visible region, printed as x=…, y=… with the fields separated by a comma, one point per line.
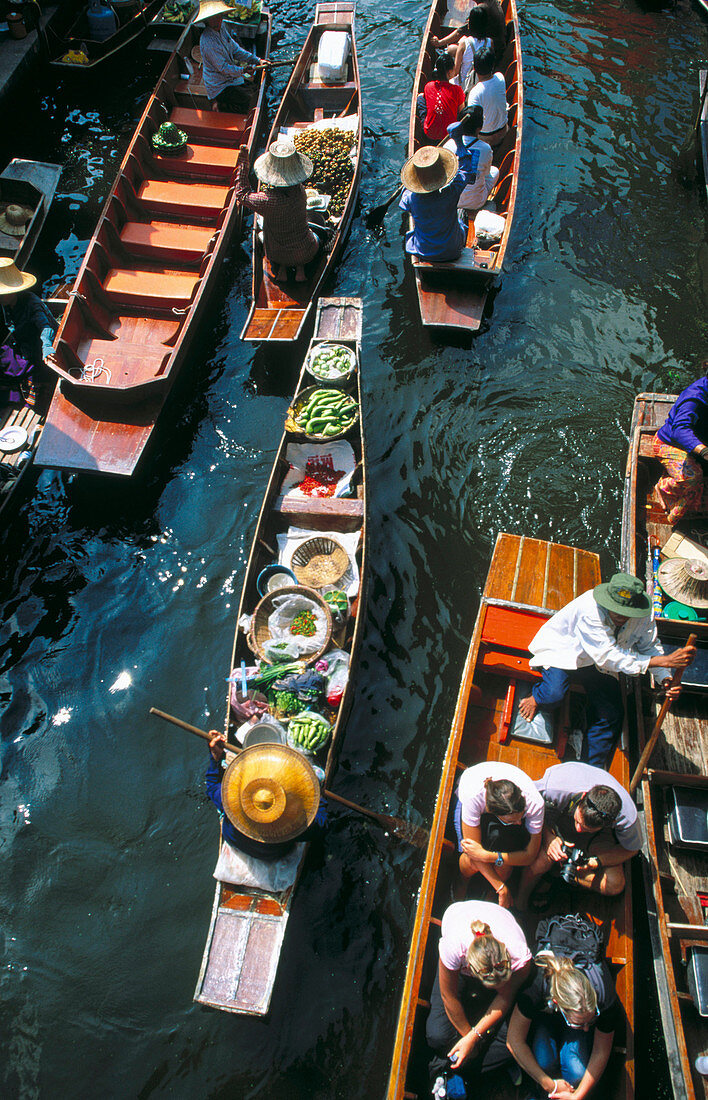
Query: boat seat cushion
x=150, y=288
x=202, y=160
x=217, y=125
x=201, y=200
x=166, y=242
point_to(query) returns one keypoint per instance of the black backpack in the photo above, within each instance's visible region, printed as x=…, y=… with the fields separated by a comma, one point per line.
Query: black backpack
x=573, y=937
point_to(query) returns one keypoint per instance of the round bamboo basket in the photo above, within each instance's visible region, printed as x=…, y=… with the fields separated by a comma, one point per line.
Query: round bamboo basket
x=319, y=561
x=260, y=633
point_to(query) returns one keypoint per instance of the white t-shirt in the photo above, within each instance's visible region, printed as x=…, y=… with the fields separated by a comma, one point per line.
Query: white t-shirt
x=472, y=48
x=472, y=794
x=456, y=935
x=490, y=95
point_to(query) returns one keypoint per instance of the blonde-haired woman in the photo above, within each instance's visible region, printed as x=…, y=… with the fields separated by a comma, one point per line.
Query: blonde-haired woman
x=562, y=1027
x=484, y=959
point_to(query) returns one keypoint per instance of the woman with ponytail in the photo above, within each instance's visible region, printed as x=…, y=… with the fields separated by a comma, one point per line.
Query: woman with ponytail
x=483, y=960
x=562, y=1028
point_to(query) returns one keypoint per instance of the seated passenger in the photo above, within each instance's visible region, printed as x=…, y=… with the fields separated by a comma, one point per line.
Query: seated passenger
x=475, y=155
x=494, y=27
x=590, y=830
x=562, y=1027
x=499, y=823
x=439, y=105
x=432, y=188
x=227, y=68
x=680, y=445
x=463, y=48
x=483, y=960
x=489, y=93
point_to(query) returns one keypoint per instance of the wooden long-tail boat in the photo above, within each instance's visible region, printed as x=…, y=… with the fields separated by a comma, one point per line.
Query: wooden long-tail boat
x=528, y=581
x=30, y=184
x=248, y=925
x=676, y=877
x=67, y=34
x=279, y=310
x=453, y=295
x=144, y=283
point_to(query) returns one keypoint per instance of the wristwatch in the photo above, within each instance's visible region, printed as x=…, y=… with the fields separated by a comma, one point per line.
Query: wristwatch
x=499, y=861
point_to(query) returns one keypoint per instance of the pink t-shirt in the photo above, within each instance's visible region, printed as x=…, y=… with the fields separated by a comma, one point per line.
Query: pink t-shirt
x=472, y=794
x=456, y=934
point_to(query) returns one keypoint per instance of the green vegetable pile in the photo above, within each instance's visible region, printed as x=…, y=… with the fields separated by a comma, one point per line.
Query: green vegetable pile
x=333, y=169
x=337, y=600
x=287, y=703
x=327, y=413
x=309, y=731
x=331, y=361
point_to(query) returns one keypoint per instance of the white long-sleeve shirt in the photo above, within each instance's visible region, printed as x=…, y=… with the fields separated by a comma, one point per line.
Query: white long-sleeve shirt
x=223, y=61
x=582, y=634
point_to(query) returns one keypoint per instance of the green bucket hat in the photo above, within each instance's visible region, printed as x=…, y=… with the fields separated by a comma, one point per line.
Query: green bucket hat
x=625, y=595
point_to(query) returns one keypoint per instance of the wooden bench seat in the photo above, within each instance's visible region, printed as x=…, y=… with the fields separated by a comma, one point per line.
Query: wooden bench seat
x=202, y=160
x=128, y=363
x=150, y=288
x=350, y=507
x=199, y=200
x=273, y=324
x=471, y=259
x=646, y=443
x=217, y=125
x=165, y=241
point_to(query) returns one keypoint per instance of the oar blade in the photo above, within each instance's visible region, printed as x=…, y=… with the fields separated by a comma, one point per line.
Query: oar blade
x=410, y=833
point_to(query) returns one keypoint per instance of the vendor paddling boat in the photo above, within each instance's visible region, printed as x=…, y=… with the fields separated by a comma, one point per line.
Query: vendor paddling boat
x=528, y=581
x=314, y=104
x=80, y=35
x=149, y=268
x=673, y=795
x=304, y=530
x=453, y=295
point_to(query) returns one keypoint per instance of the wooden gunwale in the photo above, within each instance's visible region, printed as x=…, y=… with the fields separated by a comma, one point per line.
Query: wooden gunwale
x=453, y=295
x=279, y=311
x=673, y=878
x=156, y=296
x=338, y=320
x=537, y=578
x=59, y=39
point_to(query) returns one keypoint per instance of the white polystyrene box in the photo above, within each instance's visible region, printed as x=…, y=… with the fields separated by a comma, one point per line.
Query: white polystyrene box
x=332, y=56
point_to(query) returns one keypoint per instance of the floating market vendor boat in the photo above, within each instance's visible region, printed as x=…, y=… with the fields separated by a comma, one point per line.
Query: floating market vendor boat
x=528, y=581
x=453, y=295
x=27, y=189
x=323, y=117
x=674, y=789
x=301, y=511
x=148, y=271
x=80, y=35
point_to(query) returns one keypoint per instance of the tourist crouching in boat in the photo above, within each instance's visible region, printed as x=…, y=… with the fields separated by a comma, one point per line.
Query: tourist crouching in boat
x=606, y=631
x=288, y=240
x=433, y=182
x=32, y=329
x=483, y=961
x=590, y=830
x=475, y=156
x=499, y=824
x=227, y=68
x=680, y=446
x=563, y=1024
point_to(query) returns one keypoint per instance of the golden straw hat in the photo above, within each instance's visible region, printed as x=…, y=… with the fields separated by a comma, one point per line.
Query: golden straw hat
x=685, y=580
x=12, y=280
x=429, y=169
x=270, y=793
x=282, y=165
x=209, y=8
x=14, y=219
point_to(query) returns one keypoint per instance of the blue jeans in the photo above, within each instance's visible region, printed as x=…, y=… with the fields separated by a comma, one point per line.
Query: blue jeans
x=557, y=1047
x=605, y=708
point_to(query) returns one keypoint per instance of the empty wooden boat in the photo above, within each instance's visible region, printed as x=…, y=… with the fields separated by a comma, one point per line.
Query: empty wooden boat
x=675, y=784
x=68, y=34
x=144, y=283
x=453, y=295
x=279, y=310
x=248, y=925
x=528, y=581
x=31, y=186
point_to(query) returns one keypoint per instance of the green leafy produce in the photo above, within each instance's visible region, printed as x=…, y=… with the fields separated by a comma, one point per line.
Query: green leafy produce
x=287, y=703
x=270, y=673
x=309, y=731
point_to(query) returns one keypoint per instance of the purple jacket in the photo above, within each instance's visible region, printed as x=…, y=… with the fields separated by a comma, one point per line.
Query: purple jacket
x=687, y=423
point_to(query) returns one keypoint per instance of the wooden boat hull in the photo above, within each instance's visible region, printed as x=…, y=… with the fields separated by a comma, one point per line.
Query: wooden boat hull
x=144, y=284
x=527, y=582
x=28, y=183
x=68, y=30
x=248, y=926
x=453, y=295
x=279, y=311
x=675, y=878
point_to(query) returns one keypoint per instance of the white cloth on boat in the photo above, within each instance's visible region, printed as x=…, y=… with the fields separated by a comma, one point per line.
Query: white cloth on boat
x=294, y=536
x=311, y=459
x=241, y=870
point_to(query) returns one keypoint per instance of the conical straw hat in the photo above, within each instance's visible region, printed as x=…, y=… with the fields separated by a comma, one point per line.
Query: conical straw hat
x=429, y=169
x=685, y=580
x=14, y=219
x=270, y=793
x=208, y=8
x=282, y=165
x=12, y=280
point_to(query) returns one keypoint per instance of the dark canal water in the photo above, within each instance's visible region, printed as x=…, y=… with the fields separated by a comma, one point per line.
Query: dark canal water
x=118, y=598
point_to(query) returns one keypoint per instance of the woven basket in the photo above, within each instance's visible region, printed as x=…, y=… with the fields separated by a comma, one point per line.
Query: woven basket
x=293, y=428
x=259, y=632
x=319, y=561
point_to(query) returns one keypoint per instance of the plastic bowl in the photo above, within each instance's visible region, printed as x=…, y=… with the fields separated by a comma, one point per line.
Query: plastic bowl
x=266, y=575
x=338, y=376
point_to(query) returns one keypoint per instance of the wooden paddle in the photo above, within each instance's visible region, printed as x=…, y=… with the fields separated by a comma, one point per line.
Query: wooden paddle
x=687, y=154
x=396, y=825
x=665, y=706
x=376, y=215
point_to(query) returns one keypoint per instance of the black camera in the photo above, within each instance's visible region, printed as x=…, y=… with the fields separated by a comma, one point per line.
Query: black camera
x=574, y=858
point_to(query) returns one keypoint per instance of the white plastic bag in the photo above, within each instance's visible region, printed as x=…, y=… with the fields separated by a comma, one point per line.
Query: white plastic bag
x=488, y=227
x=336, y=673
x=280, y=620
x=332, y=56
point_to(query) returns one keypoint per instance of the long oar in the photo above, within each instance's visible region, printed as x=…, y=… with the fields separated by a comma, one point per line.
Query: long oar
x=665, y=706
x=376, y=214
x=687, y=154
x=403, y=829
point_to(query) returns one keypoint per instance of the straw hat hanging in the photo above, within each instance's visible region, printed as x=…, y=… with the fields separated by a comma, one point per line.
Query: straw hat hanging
x=685, y=580
x=12, y=280
x=282, y=165
x=14, y=218
x=429, y=169
x=270, y=793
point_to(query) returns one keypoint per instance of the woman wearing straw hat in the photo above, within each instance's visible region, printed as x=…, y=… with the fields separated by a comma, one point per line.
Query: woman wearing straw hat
x=288, y=240
x=227, y=68
x=432, y=188
x=33, y=329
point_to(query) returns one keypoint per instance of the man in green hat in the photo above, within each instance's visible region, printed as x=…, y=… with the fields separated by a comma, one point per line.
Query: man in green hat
x=607, y=630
